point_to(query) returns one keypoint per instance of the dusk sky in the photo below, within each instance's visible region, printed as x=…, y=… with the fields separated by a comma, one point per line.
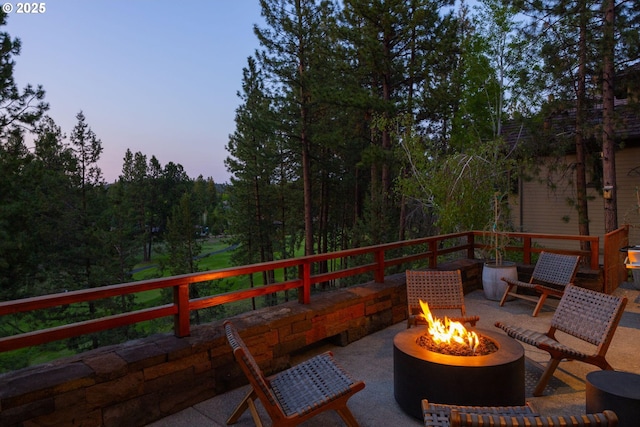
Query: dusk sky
x=159, y=77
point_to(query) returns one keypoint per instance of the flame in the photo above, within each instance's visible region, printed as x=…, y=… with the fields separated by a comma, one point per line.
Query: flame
x=448, y=331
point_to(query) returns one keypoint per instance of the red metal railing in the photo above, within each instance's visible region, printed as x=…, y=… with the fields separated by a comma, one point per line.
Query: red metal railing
x=180, y=309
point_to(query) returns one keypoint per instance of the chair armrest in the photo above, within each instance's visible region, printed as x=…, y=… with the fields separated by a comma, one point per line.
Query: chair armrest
x=540, y=340
x=519, y=283
x=549, y=291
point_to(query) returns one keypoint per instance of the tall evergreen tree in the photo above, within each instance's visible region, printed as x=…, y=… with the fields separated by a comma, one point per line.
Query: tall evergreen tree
x=18, y=109
x=253, y=162
x=137, y=188
x=392, y=45
x=205, y=204
x=182, y=244
x=291, y=42
x=88, y=183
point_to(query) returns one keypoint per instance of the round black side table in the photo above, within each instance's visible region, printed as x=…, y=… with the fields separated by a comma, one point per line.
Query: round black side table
x=615, y=390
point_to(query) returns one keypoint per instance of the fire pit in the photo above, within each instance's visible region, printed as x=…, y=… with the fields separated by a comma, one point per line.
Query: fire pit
x=446, y=363
x=495, y=379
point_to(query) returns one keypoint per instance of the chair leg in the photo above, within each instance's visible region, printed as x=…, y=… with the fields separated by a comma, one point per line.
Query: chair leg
x=254, y=413
x=347, y=416
x=541, y=300
x=246, y=403
x=546, y=376
x=506, y=294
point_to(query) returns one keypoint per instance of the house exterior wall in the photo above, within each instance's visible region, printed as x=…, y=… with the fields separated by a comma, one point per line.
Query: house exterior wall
x=543, y=203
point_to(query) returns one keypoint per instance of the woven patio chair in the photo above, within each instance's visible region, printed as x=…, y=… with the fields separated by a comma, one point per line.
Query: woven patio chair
x=296, y=394
x=438, y=415
x=582, y=313
x=442, y=290
x=466, y=419
x=552, y=273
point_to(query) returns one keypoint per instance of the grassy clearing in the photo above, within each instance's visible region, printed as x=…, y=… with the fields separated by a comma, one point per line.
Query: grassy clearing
x=215, y=254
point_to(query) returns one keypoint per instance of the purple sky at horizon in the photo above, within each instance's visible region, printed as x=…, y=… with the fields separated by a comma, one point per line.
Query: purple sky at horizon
x=159, y=77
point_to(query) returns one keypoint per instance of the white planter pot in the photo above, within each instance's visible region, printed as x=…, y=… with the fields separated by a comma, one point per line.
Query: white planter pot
x=492, y=274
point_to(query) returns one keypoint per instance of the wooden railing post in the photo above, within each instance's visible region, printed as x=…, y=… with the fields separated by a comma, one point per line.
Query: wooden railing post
x=181, y=319
x=379, y=271
x=433, y=257
x=595, y=255
x=471, y=241
x=526, y=250
x=304, y=272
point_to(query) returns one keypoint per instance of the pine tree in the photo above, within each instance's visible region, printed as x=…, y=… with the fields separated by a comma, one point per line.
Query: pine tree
x=182, y=244
x=18, y=109
x=253, y=162
x=393, y=46
x=293, y=42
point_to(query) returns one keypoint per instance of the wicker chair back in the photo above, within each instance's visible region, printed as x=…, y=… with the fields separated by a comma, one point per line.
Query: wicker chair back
x=442, y=290
x=589, y=315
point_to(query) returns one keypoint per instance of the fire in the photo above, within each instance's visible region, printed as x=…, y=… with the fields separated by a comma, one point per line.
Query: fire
x=448, y=331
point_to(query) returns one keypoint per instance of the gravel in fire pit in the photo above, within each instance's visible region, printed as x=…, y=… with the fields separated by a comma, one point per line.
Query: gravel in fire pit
x=485, y=347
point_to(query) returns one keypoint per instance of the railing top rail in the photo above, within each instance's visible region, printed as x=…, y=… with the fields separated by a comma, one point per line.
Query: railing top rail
x=90, y=294
x=522, y=235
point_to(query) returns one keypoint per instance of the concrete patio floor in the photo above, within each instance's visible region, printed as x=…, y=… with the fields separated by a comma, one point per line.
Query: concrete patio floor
x=371, y=360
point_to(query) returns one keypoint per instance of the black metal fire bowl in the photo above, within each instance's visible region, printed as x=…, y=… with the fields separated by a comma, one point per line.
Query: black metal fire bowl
x=497, y=379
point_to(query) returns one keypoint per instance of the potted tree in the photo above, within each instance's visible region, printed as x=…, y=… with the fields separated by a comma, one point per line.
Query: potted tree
x=495, y=266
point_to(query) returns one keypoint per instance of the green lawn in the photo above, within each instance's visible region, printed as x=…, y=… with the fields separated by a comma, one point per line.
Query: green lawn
x=218, y=258
x=215, y=255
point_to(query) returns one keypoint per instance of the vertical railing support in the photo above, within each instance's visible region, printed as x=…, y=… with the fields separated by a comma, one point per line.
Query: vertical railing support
x=433, y=256
x=471, y=241
x=379, y=271
x=181, y=319
x=526, y=250
x=595, y=256
x=304, y=272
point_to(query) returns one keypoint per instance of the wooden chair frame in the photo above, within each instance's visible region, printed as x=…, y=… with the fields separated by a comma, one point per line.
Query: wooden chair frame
x=551, y=269
x=442, y=290
x=588, y=315
x=293, y=396
x=439, y=415
x=606, y=418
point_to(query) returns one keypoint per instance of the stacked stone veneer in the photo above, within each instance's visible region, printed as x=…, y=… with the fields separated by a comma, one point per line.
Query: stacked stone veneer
x=141, y=381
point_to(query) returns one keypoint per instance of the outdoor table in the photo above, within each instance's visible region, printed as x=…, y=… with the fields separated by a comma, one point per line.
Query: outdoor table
x=615, y=390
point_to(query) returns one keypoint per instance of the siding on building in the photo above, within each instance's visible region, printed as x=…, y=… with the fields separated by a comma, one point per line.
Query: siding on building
x=543, y=203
